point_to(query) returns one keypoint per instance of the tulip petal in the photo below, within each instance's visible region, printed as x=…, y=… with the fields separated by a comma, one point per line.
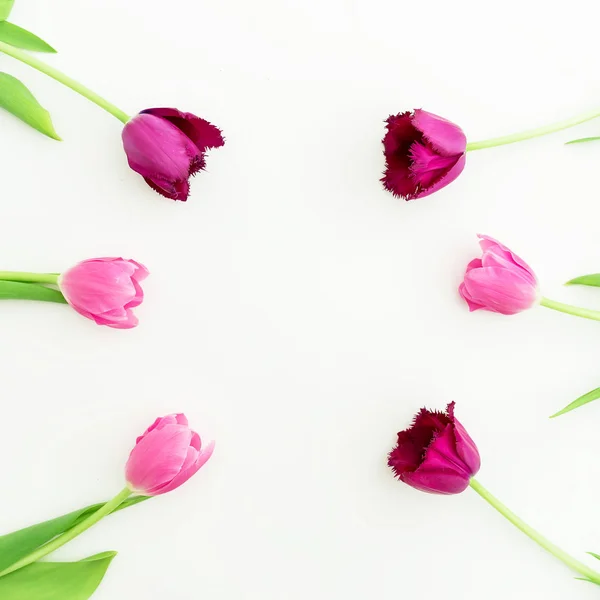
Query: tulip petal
x=175, y=190
x=446, y=179
x=204, y=134
x=189, y=469
x=497, y=254
x=500, y=290
x=442, y=470
x=473, y=305
x=157, y=458
x=446, y=137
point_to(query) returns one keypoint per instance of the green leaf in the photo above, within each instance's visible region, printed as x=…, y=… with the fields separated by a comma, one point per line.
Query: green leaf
x=5, y=8
x=18, y=100
x=19, y=544
x=21, y=38
x=583, y=140
x=585, y=399
x=596, y=556
x=56, y=581
x=591, y=280
x=14, y=290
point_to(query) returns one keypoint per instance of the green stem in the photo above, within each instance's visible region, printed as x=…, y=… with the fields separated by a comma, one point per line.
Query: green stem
x=51, y=278
x=537, y=537
x=70, y=534
x=585, y=313
x=15, y=290
x=532, y=133
x=64, y=79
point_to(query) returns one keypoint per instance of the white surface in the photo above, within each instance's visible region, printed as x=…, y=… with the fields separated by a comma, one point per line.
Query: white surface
x=297, y=312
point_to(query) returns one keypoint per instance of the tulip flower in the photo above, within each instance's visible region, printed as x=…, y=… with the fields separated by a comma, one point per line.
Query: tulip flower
x=425, y=152
x=499, y=281
x=502, y=282
x=436, y=455
x=165, y=457
x=167, y=146
x=164, y=145
x=105, y=290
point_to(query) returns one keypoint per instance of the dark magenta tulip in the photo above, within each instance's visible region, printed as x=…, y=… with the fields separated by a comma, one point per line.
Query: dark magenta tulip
x=423, y=153
x=167, y=146
x=435, y=454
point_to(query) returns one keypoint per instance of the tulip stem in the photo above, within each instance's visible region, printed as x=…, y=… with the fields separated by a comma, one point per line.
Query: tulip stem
x=537, y=537
x=569, y=309
x=51, y=278
x=16, y=290
x=64, y=79
x=70, y=534
x=532, y=133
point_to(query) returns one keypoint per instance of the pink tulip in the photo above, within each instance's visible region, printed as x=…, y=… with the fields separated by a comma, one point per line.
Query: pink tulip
x=165, y=456
x=499, y=281
x=423, y=153
x=435, y=454
x=167, y=146
x=105, y=290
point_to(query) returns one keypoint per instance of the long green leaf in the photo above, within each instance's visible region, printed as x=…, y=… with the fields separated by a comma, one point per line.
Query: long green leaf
x=21, y=38
x=585, y=399
x=591, y=280
x=14, y=290
x=5, y=8
x=596, y=556
x=583, y=140
x=56, y=581
x=18, y=100
x=19, y=544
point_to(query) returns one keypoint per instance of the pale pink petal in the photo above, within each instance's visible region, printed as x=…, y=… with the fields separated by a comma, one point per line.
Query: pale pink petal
x=157, y=458
x=500, y=290
x=186, y=473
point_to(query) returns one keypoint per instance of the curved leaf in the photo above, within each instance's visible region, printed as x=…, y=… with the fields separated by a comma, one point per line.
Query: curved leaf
x=583, y=140
x=21, y=38
x=16, y=545
x=18, y=100
x=56, y=581
x=5, y=8
x=585, y=399
x=591, y=280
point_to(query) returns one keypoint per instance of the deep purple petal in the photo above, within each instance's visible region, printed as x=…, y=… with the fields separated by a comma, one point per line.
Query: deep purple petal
x=156, y=149
x=175, y=190
x=445, y=179
x=204, y=134
x=446, y=137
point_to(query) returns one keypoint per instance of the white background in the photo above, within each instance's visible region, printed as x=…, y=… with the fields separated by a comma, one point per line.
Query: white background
x=298, y=313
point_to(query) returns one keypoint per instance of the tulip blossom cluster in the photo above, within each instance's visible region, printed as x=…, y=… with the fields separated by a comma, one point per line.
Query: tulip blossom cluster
x=165, y=456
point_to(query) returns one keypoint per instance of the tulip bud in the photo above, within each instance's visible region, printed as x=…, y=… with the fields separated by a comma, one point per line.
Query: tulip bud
x=423, y=153
x=435, y=454
x=167, y=146
x=499, y=281
x=105, y=290
x=165, y=457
